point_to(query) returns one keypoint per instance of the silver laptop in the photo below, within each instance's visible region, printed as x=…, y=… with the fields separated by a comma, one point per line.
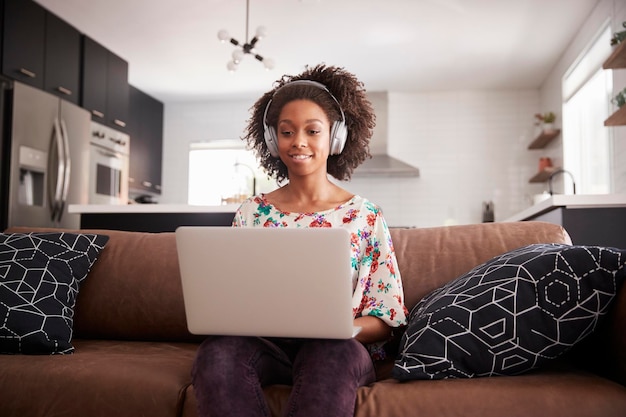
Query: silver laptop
x=270, y=282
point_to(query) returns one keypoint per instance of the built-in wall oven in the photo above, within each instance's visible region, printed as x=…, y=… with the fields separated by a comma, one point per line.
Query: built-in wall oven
x=108, y=176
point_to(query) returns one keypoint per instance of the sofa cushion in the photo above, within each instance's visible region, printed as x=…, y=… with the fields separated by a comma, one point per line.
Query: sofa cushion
x=511, y=314
x=40, y=274
x=102, y=378
x=549, y=393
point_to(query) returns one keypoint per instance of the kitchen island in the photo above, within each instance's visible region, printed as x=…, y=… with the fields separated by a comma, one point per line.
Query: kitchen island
x=152, y=217
x=589, y=219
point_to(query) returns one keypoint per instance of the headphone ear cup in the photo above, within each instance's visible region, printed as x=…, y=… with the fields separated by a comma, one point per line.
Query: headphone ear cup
x=271, y=140
x=338, y=136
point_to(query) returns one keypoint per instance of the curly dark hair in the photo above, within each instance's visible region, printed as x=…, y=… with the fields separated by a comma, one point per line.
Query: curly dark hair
x=349, y=92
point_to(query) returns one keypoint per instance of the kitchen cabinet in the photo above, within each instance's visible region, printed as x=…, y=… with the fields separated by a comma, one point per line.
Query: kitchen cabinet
x=146, y=142
x=105, y=88
x=62, y=59
x=41, y=50
x=24, y=42
x=589, y=219
x=592, y=226
x=117, y=91
x=617, y=60
x=94, y=81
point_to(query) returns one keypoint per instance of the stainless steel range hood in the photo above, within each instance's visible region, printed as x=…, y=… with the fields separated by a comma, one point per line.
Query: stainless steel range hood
x=382, y=164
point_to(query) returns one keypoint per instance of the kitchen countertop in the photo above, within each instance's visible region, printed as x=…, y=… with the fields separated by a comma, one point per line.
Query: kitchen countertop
x=149, y=208
x=570, y=202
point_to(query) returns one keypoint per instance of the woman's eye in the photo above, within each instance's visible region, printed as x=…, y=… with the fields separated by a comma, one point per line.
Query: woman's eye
x=314, y=132
x=285, y=132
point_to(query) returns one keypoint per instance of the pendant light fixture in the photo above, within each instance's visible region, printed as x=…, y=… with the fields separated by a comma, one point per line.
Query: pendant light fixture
x=247, y=47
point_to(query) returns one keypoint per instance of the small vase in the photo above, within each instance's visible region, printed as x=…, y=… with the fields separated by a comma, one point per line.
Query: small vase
x=548, y=128
x=544, y=163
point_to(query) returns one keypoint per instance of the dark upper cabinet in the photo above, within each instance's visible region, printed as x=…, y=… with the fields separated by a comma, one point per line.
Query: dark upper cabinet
x=94, y=81
x=105, y=89
x=40, y=49
x=118, y=91
x=138, y=160
x=154, y=131
x=23, y=42
x=146, y=142
x=62, y=59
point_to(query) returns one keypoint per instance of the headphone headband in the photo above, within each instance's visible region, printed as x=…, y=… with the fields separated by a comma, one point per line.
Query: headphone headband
x=338, y=133
x=314, y=84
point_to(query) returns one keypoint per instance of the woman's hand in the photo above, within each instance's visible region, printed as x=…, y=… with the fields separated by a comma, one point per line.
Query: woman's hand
x=373, y=329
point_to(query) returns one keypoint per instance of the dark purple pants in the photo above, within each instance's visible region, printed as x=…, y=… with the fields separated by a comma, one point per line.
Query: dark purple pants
x=229, y=373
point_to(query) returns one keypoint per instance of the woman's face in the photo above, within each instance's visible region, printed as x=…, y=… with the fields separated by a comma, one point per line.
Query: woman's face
x=303, y=133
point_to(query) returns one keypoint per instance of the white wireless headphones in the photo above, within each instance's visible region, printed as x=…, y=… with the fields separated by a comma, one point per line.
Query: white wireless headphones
x=338, y=131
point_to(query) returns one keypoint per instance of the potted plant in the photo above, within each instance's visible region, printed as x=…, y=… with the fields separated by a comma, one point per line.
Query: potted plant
x=620, y=98
x=618, y=37
x=546, y=120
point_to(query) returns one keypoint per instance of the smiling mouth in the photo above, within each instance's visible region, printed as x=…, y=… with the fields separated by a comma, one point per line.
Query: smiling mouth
x=300, y=157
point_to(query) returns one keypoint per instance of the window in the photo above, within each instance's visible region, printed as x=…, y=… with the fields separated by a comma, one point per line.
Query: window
x=587, y=92
x=223, y=173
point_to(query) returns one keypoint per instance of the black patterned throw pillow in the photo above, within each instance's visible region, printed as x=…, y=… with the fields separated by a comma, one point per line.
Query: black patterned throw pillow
x=511, y=314
x=40, y=275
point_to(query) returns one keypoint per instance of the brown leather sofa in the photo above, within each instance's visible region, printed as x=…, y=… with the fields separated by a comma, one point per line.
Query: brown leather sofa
x=134, y=354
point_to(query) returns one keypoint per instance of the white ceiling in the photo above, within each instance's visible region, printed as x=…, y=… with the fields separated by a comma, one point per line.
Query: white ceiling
x=391, y=45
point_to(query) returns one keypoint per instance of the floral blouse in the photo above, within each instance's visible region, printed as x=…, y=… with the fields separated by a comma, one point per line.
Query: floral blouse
x=376, y=282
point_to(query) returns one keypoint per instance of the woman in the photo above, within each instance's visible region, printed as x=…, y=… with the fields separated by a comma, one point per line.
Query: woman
x=309, y=126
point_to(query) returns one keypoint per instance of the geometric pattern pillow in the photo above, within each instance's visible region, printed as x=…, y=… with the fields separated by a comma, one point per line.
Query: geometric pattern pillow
x=511, y=314
x=40, y=274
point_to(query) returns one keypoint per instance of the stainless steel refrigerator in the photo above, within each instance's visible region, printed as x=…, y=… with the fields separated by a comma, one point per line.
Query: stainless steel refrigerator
x=5, y=85
x=49, y=159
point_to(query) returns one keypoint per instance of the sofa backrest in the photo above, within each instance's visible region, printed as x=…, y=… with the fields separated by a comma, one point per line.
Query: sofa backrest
x=430, y=257
x=133, y=291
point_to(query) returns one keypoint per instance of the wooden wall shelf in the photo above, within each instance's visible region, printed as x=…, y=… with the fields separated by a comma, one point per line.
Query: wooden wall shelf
x=544, y=138
x=544, y=174
x=618, y=118
x=617, y=59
